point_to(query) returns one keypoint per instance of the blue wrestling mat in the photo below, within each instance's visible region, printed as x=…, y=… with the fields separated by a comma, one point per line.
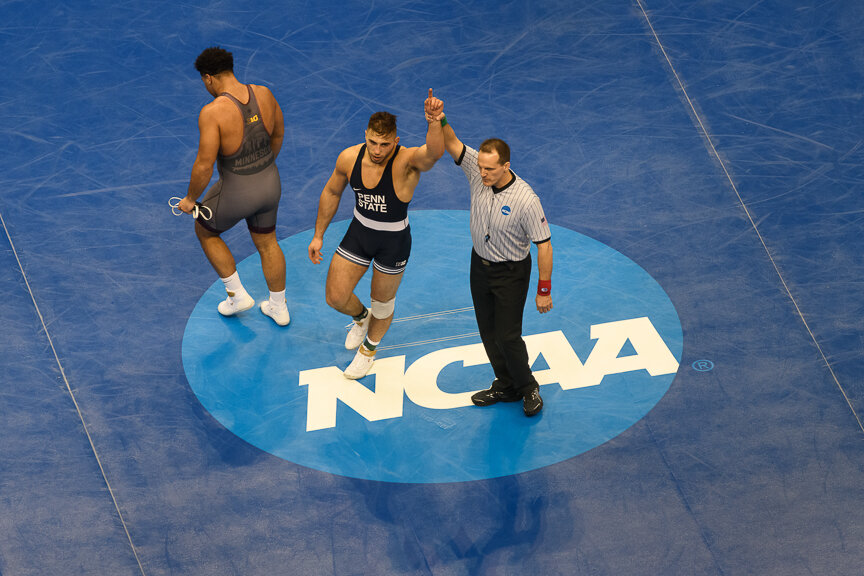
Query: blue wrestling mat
x=701, y=165
x=604, y=359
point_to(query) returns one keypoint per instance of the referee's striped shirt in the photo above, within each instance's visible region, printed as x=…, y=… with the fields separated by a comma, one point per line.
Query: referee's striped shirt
x=504, y=221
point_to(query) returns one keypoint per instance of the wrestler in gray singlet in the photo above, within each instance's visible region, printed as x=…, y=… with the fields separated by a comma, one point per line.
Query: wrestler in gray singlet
x=249, y=185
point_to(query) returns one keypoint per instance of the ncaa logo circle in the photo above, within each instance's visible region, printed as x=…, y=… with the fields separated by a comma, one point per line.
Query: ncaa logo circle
x=505, y=210
x=604, y=356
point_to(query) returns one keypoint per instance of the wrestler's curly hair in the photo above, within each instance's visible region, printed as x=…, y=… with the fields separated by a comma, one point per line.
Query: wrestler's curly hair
x=213, y=61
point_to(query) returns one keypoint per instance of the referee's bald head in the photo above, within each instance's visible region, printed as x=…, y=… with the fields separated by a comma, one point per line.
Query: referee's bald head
x=496, y=145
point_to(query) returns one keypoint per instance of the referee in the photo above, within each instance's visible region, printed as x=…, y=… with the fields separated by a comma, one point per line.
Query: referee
x=506, y=216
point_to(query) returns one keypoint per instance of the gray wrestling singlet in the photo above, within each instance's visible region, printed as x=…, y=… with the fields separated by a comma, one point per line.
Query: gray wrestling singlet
x=249, y=187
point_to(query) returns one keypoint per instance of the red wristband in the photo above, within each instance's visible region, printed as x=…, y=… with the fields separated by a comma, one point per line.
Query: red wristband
x=544, y=287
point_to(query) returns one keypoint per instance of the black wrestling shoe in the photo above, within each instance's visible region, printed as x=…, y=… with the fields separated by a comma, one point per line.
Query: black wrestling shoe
x=532, y=403
x=493, y=396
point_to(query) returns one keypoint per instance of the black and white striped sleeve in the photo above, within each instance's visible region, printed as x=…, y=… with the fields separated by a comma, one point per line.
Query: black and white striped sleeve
x=468, y=162
x=534, y=222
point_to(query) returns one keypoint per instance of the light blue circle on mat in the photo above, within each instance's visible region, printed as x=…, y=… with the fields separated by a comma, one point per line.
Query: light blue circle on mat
x=281, y=389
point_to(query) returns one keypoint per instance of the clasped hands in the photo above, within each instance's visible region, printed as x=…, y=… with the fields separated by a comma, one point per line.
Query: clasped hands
x=434, y=108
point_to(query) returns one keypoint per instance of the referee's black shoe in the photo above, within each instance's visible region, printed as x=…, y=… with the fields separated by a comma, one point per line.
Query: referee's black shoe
x=494, y=395
x=532, y=403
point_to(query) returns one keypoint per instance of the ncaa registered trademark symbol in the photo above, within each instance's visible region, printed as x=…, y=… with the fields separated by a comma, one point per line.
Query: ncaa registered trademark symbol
x=703, y=365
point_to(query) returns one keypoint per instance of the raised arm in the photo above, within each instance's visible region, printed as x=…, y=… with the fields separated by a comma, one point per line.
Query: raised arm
x=329, y=203
x=424, y=157
x=452, y=144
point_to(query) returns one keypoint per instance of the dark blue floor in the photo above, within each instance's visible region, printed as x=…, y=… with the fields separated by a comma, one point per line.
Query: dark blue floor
x=718, y=145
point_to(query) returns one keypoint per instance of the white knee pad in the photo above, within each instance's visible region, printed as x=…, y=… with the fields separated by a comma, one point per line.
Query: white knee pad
x=382, y=310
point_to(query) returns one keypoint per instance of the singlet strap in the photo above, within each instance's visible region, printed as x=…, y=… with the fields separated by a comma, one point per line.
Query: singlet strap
x=252, y=102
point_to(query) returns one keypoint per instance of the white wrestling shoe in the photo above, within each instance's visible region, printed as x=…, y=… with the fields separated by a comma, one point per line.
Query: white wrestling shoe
x=234, y=304
x=279, y=314
x=361, y=364
x=358, y=331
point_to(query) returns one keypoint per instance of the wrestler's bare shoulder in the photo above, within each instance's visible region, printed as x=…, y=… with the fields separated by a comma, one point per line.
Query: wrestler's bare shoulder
x=217, y=108
x=405, y=158
x=262, y=93
x=350, y=153
x=346, y=158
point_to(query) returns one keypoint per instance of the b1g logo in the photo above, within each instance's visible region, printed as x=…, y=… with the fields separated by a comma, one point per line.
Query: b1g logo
x=604, y=356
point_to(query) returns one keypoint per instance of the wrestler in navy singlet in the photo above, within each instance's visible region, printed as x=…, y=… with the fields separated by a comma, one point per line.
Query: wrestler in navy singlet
x=249, y=187
x=379, y=230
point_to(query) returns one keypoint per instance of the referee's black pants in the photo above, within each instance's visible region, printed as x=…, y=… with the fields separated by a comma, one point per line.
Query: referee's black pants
x=499, y=292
